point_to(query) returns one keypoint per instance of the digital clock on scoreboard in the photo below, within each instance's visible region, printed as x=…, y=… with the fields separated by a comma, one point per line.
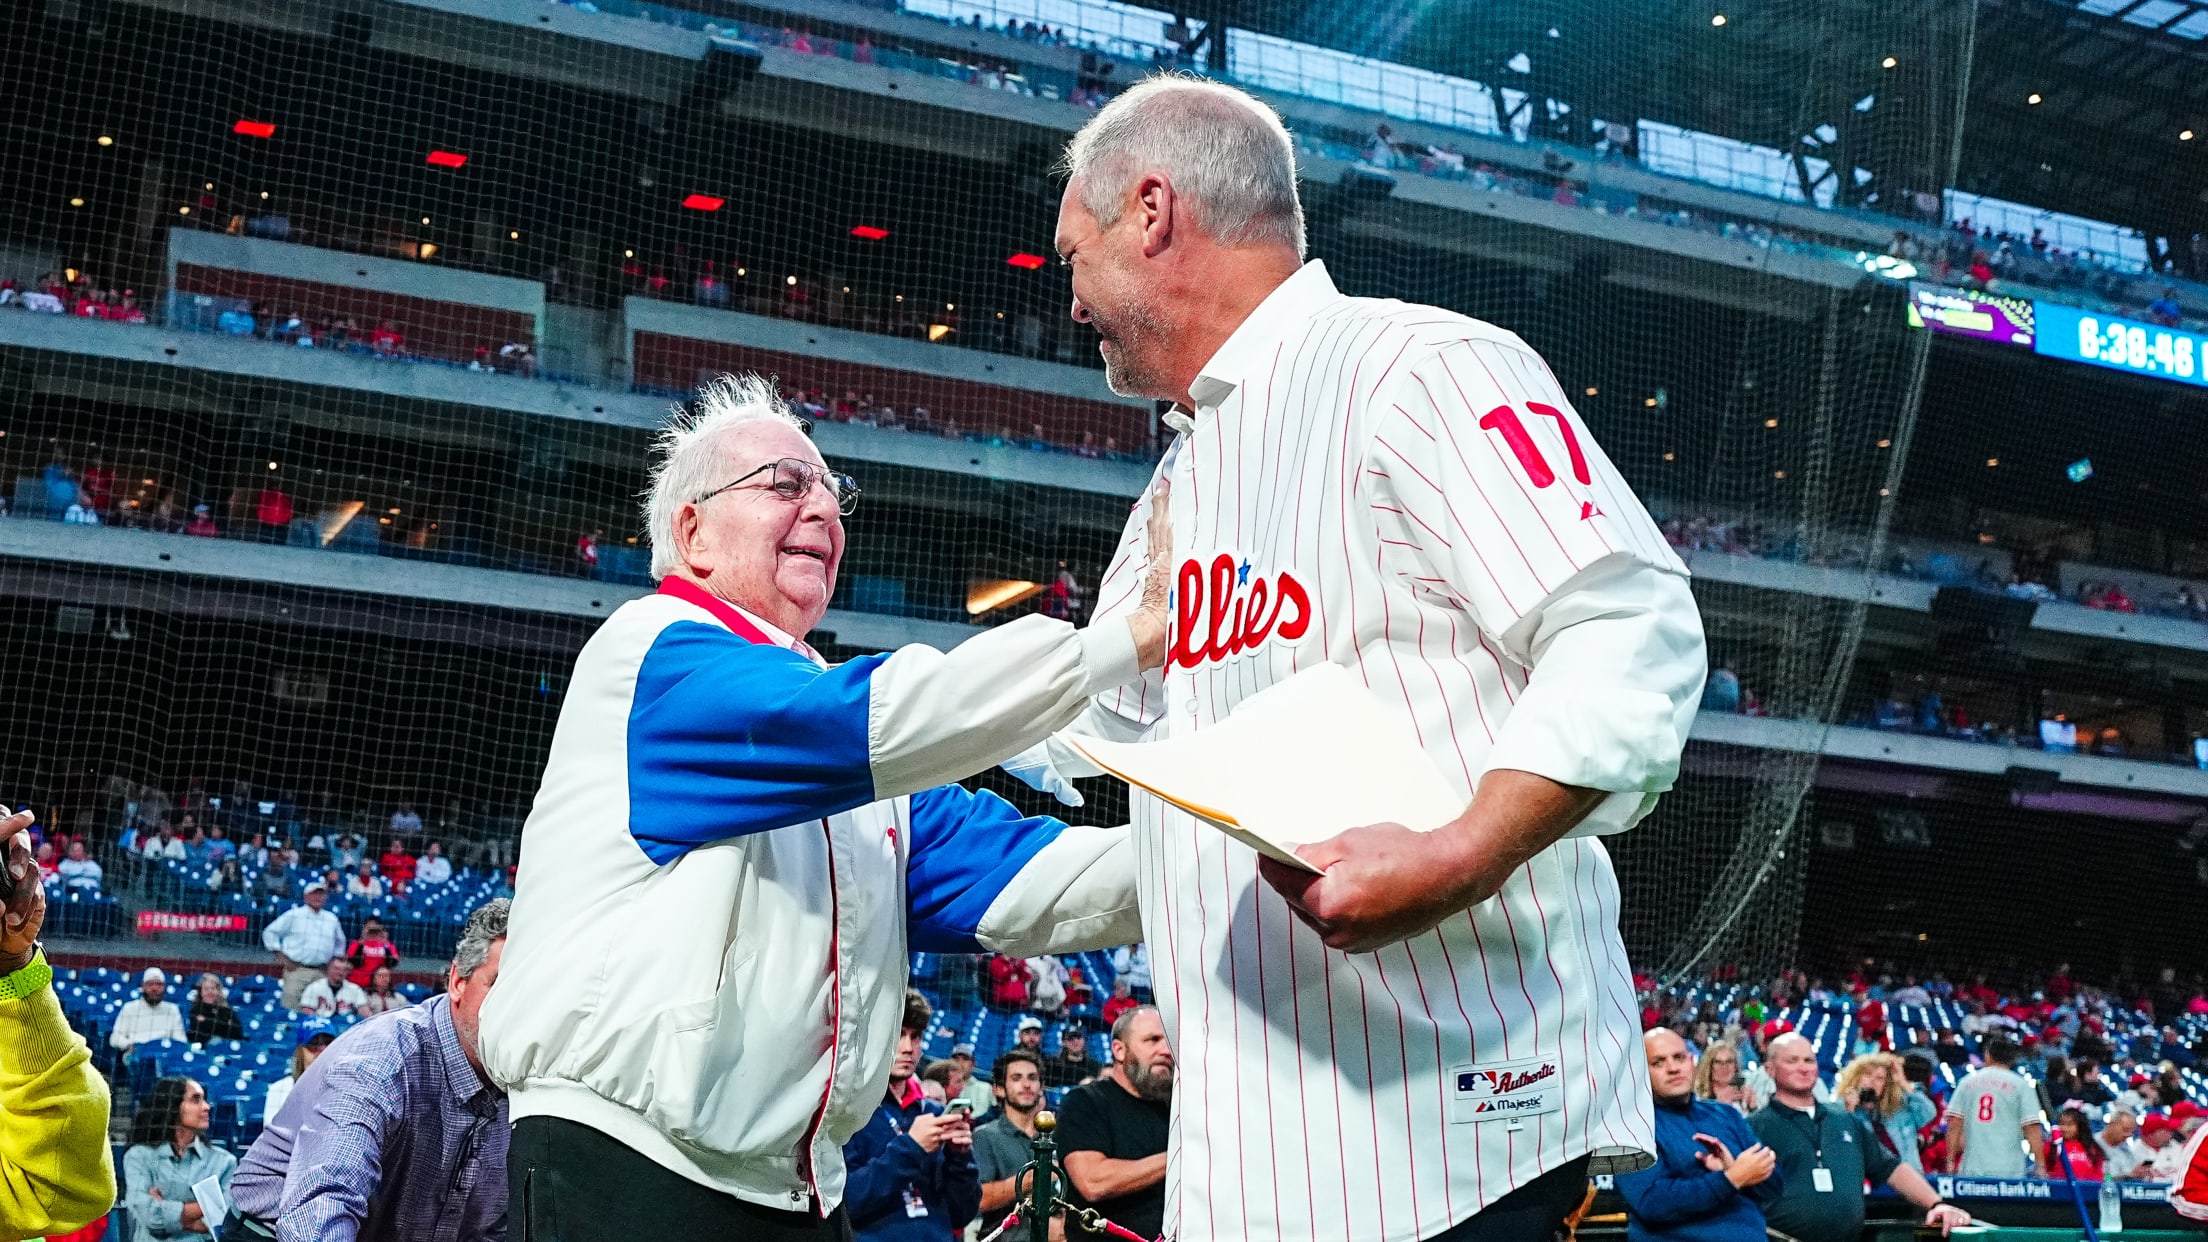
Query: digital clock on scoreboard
x=2121, y=344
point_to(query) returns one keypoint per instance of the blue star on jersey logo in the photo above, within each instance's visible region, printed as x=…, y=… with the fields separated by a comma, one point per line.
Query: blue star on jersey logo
x=1242, y=575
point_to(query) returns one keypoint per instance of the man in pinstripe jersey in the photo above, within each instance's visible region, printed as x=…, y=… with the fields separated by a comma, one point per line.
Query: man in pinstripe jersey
x=1436, y=1038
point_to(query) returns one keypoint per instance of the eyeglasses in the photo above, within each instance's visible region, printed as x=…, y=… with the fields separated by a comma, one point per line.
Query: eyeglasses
x=794, y=479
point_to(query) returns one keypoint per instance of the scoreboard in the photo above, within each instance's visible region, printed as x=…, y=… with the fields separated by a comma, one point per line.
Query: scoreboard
x=2121, y=344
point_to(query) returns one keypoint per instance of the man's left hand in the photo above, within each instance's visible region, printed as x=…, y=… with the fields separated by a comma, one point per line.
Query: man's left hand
x=1945, y=1217
x=1379, y=884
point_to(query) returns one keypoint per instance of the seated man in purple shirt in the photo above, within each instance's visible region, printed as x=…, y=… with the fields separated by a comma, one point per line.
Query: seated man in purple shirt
x=393, y=1133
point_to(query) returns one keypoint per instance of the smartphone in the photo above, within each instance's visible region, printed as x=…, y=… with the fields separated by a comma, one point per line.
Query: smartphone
x=964, y=1108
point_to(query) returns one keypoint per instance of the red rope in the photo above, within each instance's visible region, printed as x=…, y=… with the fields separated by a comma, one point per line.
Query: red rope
x=1125, y=1235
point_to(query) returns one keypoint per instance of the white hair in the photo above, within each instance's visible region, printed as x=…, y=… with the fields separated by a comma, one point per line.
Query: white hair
x=688, y=450
x=1225, y=151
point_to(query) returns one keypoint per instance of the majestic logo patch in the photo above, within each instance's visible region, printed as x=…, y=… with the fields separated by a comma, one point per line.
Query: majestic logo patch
x=1226, y=609
x=1512, y=1089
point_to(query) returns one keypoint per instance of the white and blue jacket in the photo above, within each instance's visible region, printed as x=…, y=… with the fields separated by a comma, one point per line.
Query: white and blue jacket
x=731, y=853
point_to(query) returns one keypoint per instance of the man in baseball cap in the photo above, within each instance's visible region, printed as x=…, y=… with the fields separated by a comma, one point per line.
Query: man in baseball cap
x=303, y=939
x=150, y=1017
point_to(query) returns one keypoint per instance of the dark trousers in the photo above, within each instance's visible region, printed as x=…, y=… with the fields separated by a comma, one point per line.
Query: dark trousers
x=569, y=1183
x=1534, y=1212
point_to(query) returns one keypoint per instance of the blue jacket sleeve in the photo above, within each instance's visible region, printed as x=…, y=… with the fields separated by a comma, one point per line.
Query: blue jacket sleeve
x=961, y=1186
x=1663, y=1195
x=876, y=1172
x=966, y=849
x=728, y=737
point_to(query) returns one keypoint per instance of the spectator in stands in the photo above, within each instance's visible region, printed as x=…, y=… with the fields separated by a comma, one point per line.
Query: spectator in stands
x=970, y=1087
x=276, y=876
x=398, y=1133
x=1711, y=1178
x=56, y=1170
x=1826, y=1155
x=347, y=852
x=309, y=1037
x=396, y=863
x=373, y=949
x=910, y=1169
x=387, y=342
x=150, y=1017
x=364, y=882
x=218, y=844
x=1027, y=1034
x=332, y=995
x=202, y=525
x=1071, y=1065
x=272, y=512
x=1718, y=1077
x=1993, y=1117
x=380, y=996
x=236, y=320
x=1008, y=982
x=2073, y=1144
x=1113, y=1130
x=304, y=939
x=167, y=1157
x=1046, y=984
x=49, y=862
x=1132, y=963
x=212, y=1017
x=78, y=871
x=434, y=867
x=165, y=844
x=1002, y=1146
x=62, y=491
x=1874, y=1087
x=2165, y=310
x=1122, y=1000
x=2165, y=1150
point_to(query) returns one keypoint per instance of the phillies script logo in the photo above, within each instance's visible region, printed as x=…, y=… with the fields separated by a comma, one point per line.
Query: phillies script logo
x=1490, y=1087
x=1233, y=610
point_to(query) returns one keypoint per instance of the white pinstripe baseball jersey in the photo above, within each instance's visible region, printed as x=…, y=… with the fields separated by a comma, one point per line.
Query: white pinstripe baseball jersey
x=1405, y=491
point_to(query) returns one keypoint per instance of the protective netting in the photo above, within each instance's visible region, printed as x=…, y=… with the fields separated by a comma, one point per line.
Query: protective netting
x=361, y=315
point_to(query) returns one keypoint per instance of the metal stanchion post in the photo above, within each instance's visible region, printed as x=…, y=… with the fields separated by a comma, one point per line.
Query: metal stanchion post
x=1043, y=1196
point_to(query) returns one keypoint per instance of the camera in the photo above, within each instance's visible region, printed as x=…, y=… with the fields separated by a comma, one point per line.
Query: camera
x=1866, y=1096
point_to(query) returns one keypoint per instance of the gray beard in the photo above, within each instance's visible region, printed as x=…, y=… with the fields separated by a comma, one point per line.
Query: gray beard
x=1151, y=1085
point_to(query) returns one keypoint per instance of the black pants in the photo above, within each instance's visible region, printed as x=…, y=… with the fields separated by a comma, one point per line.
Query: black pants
x=1534, y=1212
x=569, y=1183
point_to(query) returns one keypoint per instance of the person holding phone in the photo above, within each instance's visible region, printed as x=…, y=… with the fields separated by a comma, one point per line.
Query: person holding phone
x=1712, y=1179
x=910, y=1171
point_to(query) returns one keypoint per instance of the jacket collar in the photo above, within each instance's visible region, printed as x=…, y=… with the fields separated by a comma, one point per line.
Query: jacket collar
x=1295, y=301
x=741, y=621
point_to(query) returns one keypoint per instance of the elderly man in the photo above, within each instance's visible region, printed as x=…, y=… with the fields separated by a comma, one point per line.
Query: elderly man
x=735, y=846
x=304, y=939
x=1406, y=492
x=394, y=1133
x=1711, y=1177
x=1827, y=1154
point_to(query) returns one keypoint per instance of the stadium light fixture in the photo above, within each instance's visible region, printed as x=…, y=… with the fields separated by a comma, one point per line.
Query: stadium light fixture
x=1885, y=444
x=445, y=159
x=1888, y=63
x=209, y=185
x=789, y=280
x=105, y=140
x=76, y=202
x=950, y=306
x=513, y=235
x=264, y=196
x=1593, y=391
x=869, y=232
x=1993, y=461
x=255, y=129
x=628, y=254
x=1650, y=402
x=1717, y=19
x=425, y=219
x=937, y=331
x=703, y=202
x=1770, y=422
x=1778, y=474
x=2184, y=135
x=1669, y=456
x=2033, y=99
x=1026, y=260
x=741, y=271
x=183, y=211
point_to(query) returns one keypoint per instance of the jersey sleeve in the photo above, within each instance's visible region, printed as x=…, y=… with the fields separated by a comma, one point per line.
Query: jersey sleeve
x=1137, y=701
x=1487, y=493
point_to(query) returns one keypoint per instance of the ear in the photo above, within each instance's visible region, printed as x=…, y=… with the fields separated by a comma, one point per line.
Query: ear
x=1155, y=204
x=689, y=530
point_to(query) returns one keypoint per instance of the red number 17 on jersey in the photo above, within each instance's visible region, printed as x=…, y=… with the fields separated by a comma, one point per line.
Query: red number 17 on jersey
x=1505, y=420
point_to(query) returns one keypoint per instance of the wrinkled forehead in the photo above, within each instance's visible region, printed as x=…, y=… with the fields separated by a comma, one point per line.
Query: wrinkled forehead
x=748, y=446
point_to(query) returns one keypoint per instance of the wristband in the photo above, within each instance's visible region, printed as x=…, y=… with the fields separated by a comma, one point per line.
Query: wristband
x=35, y=977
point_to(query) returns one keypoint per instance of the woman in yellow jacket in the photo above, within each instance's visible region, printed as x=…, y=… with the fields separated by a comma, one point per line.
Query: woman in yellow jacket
x=56, y=1170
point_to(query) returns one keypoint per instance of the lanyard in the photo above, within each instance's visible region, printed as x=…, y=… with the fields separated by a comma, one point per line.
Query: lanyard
x=1816, y=1123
